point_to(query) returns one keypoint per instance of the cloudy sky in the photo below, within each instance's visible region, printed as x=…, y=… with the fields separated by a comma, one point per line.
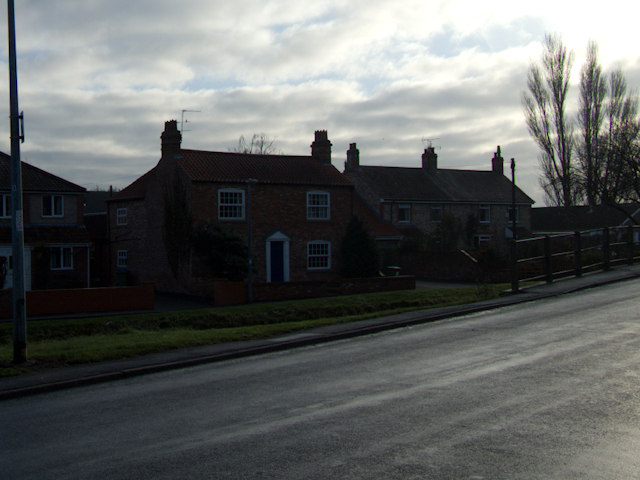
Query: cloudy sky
x=98, y=78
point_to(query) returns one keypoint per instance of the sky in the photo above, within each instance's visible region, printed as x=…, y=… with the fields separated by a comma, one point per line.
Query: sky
x=97, y=79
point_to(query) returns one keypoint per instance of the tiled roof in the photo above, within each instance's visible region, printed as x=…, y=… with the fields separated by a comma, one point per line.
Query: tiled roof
x=204, y=166
x=135, y=190
x=569, y=219
x=49, y=234
x=231, y=167
x=35, y=179
x=378, y=227
x=441, y=186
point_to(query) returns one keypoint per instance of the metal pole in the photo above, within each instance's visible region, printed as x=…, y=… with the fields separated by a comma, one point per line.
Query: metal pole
x=578, y=253
x=515, y=287
x=249, y=252
x=17, y=233
x=606, y=254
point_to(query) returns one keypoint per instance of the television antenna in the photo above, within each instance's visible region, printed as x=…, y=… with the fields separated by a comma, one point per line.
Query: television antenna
x=183, y=121
x=429, y=142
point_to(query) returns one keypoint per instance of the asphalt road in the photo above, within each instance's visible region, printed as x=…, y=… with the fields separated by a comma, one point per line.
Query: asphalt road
x=543, y=390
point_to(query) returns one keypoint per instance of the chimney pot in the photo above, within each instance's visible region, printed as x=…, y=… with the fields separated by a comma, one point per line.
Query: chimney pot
x=353, y=158
x=171, y=139
x=497, y=162
x=321, y=147
x=430, y=159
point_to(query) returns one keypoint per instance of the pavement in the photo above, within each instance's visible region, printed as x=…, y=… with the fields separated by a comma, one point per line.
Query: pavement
x=86, y=374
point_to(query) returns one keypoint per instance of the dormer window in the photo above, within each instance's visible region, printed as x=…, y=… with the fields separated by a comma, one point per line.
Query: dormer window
x=52, y=206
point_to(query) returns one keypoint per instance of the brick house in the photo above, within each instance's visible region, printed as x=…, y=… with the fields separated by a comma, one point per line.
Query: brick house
x=475, y=206
x=298, y=207
x=56, y=242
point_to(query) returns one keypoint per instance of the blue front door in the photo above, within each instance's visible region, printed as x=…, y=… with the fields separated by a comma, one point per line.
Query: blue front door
x=277, y=261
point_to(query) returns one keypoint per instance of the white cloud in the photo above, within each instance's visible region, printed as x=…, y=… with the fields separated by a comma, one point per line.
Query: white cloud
x=98, y=78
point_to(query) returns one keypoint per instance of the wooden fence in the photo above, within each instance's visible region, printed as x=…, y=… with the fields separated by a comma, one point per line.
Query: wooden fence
x=550, y=257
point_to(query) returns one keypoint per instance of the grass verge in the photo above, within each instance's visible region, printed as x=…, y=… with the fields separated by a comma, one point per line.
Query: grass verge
x=57, y=343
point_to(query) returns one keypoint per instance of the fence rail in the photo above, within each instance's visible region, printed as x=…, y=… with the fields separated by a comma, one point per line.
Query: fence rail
x=550, y=257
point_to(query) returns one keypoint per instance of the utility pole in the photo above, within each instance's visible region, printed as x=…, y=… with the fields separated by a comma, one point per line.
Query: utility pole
x=514, y=226
x=17, y=227
x=249, y=181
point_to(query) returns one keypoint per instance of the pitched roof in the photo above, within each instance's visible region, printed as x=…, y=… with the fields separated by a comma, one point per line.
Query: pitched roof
x=580, y=218
x=441, y=186
x=49, y=234
x=35, y=179
x=231, y=167
x=379, y=228
x=135, y=190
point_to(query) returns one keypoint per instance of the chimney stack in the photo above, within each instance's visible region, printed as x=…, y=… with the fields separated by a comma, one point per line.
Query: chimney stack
x=430, y=159
x=497, y=162
x=353, y=158
x=321, y=147
x=171, y=139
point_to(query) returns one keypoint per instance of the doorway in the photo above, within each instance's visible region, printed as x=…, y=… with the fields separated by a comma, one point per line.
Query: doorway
x=278, y=257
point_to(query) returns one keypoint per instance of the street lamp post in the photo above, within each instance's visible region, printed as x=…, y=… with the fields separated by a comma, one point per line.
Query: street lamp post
x=17, y=234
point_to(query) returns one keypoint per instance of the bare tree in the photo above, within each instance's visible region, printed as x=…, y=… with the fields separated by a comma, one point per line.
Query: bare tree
x=591, y=114
x=545, y=111
x=260, y=143
x=621, y=142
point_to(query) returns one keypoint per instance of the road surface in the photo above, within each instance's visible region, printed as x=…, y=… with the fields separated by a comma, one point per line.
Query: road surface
x=544, y=390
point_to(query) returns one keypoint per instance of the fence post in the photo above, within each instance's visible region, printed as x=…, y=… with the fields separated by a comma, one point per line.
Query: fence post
x=515, y=287
x=547, y=259
x=605, y=249
x=630, y=244
x=577, y=255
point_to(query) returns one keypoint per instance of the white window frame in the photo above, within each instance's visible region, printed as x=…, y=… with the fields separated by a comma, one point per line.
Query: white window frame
x=318, y=210
x=436, y=208
x=51, y=200
x=121, y=216
x=5, y=205
x=317, y=259
x=487, y=214
x=226, y=208
x=122, y=258
x=406, y=208
x=61, y=258
x=509, y=219
x=278, y=237
x=483, y=240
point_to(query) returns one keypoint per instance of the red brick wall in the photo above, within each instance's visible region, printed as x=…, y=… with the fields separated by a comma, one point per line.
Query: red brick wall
x=281, y=208
x=273, y=208
x=294, y=290
x=82, y=300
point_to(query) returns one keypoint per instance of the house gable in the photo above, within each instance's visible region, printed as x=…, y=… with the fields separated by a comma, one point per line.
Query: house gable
x=56, y=241
x=237, y=191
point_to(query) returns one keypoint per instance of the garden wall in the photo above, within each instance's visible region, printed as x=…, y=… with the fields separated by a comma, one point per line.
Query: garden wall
x=82, y=300
x=294, y=290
